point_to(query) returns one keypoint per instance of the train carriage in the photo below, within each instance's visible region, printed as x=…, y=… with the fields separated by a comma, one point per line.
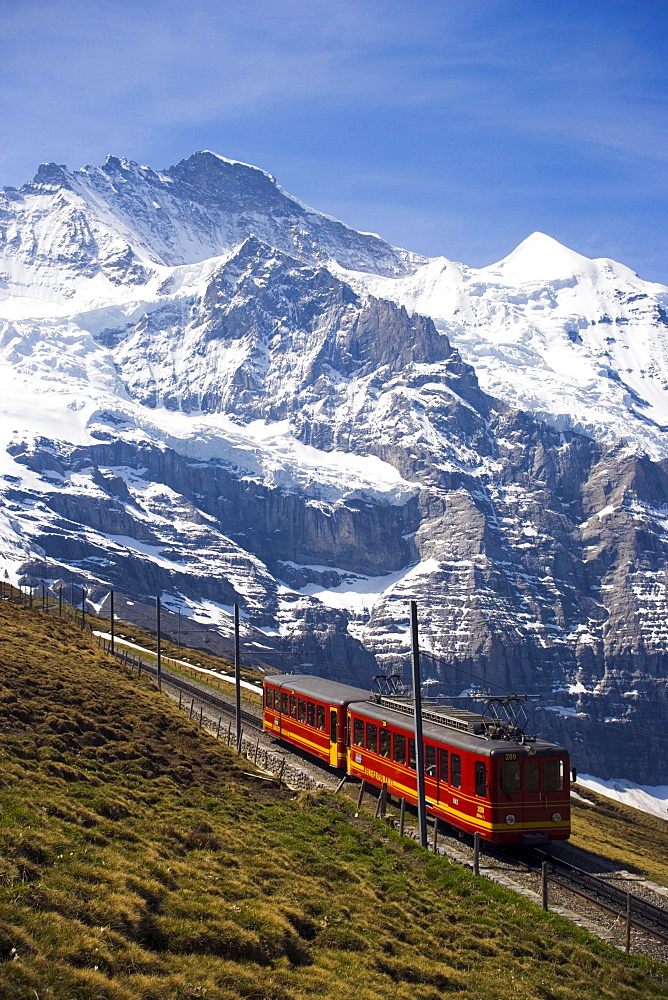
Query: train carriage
x=508, y=790
x=310, y=712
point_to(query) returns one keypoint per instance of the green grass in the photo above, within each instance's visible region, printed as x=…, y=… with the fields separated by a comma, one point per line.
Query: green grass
x=139, y=861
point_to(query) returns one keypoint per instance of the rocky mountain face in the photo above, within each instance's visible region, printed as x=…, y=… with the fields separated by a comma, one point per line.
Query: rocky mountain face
x=213, y=393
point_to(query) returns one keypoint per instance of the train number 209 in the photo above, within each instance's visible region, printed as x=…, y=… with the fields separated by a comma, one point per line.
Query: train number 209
x=511, y=756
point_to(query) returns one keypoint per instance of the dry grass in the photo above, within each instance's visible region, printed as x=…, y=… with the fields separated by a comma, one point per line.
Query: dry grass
x=139, y=862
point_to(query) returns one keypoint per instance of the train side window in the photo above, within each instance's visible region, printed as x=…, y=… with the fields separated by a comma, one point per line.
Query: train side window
x=310, y=714
x=430, y=760
x=284, y=702
x=531, y=776
x=385, y=741
x=399, y=748
x=455, y=770
x=321, y=718
x=301, y=710
x=293, y=706
x=480, y=778
x=443, y=754
x=358, y=733
x=411, y=752
x=333, y=726
x=553, y=775
x=510, y=777
x=372, y=737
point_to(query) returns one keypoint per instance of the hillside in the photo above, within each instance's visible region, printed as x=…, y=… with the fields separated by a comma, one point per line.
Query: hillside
x=140, y=859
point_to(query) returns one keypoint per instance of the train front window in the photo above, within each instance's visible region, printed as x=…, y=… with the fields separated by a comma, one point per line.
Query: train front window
x=553, y=775
x=269, y=697
x=310, y=714
x=358, y=733
x=399, y=748
x=510, y=777
x=372, y=737
x=531, y=776
x=321, y=718
x=302, y=710
x=480, y=778
x=385, y=741
x=456, y=770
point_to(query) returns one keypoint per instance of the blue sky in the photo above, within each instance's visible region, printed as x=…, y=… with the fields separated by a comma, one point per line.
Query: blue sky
x=455, y=127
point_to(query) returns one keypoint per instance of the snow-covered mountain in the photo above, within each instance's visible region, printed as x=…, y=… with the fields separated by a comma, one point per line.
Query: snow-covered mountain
x=212, y=392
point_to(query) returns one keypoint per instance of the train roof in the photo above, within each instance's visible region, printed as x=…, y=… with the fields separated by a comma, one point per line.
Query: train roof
x=454, y=737
x=364, y=703
x=318, y=687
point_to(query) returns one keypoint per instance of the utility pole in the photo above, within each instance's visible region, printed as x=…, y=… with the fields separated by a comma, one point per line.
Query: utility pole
x=60, y=601
x=419, y=745
x=157, y=616
x=111, y=620
x=179, y=642
x=237, y=676
x=83, y=607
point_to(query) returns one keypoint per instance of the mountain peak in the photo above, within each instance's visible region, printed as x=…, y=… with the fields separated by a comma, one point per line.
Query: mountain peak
x=538, y=258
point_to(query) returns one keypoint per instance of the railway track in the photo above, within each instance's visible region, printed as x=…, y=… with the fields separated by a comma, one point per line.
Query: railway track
x=645, y=916
x=193, y=689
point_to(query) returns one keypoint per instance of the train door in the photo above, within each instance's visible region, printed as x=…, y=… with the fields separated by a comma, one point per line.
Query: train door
x=534, y=800
x=430, y=775
x=511, y=792
x=334, y=737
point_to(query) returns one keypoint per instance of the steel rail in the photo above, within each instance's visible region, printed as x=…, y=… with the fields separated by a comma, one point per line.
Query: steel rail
x=190, y=687
x=608, y=897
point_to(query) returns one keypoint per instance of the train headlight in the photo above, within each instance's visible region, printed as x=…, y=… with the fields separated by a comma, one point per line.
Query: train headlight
x=510, y=819
x=556, y=817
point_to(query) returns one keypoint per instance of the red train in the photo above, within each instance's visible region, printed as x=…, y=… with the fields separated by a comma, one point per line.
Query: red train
x=477, y=779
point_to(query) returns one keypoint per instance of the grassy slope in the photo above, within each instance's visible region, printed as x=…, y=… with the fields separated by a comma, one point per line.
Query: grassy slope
x=138, y=860
x=636, y=840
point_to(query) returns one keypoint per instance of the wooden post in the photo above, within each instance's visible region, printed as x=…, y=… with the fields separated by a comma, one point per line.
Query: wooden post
x=192, y=705
x=543, y=873
x=237, y=677
x=380, y=805
x=476, y=853
x=435, y=840
x=361, y=795
x=43, y=598
x=180, y=696
x=218, y=729
x=419, y=745
x=201, y=715
x=257, y=747
x=111, y=619
x=402, y=817
x=159, y=649
x=179, y=639
x=60, y=602
x=340, y=784
x=280, y=774
x=628, y=923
